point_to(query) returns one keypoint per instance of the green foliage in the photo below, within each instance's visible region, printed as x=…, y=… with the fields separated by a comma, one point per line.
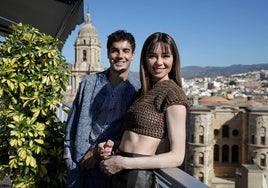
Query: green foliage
x=33, y=75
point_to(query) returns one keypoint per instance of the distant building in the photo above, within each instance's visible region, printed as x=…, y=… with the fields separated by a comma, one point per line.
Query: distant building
x=87, y=57
x=224, y=139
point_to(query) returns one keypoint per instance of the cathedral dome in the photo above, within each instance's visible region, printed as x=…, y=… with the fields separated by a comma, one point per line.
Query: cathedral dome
x=87, y=30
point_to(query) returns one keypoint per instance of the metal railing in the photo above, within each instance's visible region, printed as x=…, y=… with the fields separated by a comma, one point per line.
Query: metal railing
x=177, y=178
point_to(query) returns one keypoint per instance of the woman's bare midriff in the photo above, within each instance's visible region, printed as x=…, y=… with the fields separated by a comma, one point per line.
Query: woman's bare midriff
x=140, y=144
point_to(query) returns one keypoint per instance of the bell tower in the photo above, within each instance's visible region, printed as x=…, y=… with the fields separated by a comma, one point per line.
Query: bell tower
x=87, y=56
x=88, y=49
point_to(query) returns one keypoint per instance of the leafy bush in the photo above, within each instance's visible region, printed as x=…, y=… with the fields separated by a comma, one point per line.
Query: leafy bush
x=33, y=75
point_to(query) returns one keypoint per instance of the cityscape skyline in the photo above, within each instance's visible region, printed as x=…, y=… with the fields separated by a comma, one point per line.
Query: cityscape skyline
x=208, y=33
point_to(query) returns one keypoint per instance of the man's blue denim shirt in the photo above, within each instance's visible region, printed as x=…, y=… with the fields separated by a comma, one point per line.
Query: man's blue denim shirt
x=79, y=136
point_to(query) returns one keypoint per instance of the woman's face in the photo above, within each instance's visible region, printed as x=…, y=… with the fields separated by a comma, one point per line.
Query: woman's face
x=159, y=63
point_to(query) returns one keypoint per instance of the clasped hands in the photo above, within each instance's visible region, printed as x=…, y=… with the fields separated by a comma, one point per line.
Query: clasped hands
x=95, y=155
x=111, y=164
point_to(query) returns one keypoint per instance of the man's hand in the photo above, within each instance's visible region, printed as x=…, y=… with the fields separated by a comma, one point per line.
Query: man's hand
x=90, y=159
x=105, y=149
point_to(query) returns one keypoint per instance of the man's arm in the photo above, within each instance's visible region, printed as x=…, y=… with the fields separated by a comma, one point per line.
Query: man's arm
x=70, y=134
x=71, y=126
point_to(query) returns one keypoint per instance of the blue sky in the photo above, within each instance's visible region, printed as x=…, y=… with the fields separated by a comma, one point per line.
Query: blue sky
x=207, y=32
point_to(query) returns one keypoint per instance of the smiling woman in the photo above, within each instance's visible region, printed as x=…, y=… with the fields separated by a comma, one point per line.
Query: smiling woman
x=158, y=113
x=160, y=62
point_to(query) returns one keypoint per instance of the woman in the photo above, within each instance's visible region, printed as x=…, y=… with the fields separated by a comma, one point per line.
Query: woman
x=159, y=111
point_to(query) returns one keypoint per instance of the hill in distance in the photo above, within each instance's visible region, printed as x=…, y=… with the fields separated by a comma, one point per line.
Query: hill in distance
x=190, y=72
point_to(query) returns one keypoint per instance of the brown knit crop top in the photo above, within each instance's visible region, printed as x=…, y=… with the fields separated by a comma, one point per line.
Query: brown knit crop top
x=146, y=116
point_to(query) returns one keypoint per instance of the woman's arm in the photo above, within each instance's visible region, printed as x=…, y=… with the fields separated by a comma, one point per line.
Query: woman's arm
x=176, y=124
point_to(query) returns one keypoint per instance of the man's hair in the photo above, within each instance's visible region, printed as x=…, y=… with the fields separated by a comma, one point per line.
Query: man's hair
x=121, y=35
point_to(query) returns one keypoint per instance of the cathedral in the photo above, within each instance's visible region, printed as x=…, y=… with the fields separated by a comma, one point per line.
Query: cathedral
x=227, y=144
x=87, y=57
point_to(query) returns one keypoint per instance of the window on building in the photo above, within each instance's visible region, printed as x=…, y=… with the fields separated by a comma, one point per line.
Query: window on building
x=201, y=134
x=263, y=160
x=252, y=139
x=85, y=42
x=254, y=158
x=216, y=132
x=225, y=153
x=263, y=135
x=201, y=139
x=262, y=140
x=192, y=138
x=201, y=177
x=235, y=132
x=225, y=131
x=201, y=158
x=192, y=158
x=235, y=154
x=216, y=152
x=84, y=55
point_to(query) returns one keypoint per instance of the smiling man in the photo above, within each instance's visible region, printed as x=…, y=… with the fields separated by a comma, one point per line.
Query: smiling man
x=97, y=113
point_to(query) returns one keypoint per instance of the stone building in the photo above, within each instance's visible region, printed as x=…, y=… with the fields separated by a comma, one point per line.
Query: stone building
x=87, y=57
x=224, y=140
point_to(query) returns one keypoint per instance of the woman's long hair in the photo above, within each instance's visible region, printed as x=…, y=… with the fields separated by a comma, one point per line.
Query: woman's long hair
x=166, y=42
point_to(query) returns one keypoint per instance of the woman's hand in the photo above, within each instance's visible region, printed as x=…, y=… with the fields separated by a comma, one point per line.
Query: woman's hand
x=105, y=149
x=113, y=165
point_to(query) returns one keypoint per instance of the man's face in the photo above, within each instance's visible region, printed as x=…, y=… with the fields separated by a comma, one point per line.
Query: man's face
x=120, y=56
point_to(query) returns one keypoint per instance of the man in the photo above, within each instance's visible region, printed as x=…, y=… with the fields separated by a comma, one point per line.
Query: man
x=97, y=113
